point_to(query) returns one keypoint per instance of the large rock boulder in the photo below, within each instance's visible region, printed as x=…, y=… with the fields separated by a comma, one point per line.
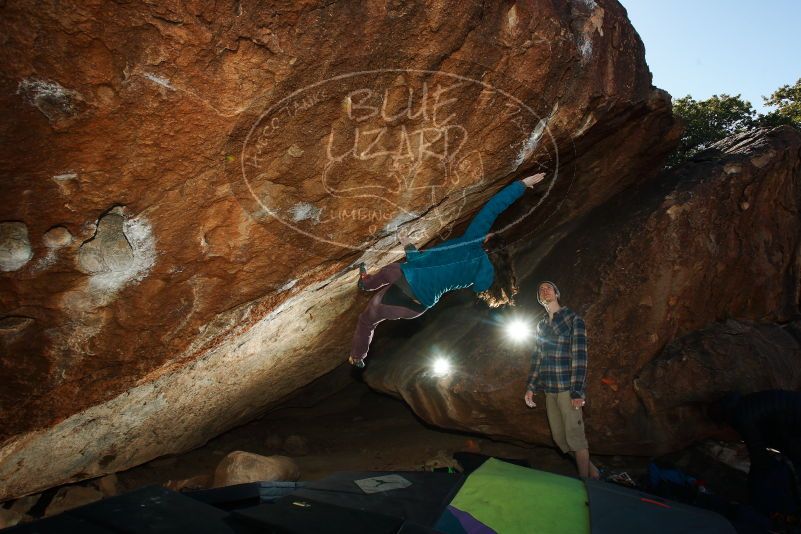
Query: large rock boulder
x=714, y=239
x=186, y=185
x=70, y=497
x=700, y=368
x=240, y=467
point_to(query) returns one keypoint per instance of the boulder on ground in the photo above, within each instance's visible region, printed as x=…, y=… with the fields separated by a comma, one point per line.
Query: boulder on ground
x=107, y=485
x=24, y=504
x=70, y=497
x=240, y=467
x=9, y=518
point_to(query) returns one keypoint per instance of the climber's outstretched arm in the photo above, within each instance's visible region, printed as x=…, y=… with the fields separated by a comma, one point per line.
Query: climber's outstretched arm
x=482, y=222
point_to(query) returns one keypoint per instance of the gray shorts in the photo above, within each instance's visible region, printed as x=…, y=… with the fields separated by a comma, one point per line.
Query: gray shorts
x=567, y=424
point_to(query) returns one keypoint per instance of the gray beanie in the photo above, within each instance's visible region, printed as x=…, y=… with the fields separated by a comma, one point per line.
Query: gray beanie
x=555, y=290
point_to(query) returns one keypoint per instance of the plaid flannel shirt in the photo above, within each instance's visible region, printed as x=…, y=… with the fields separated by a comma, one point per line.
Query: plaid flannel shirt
x=559, y=360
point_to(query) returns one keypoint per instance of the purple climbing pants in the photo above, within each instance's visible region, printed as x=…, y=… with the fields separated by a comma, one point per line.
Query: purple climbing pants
x=376, y=311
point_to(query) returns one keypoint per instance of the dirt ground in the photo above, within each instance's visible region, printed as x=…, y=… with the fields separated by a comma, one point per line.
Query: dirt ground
x=357, y=429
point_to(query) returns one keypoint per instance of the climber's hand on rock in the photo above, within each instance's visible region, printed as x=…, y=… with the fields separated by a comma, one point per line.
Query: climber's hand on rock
x=533, y=180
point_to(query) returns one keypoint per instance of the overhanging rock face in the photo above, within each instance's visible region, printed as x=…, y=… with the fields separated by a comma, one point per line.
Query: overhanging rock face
x=660, y=266
x=186, y=186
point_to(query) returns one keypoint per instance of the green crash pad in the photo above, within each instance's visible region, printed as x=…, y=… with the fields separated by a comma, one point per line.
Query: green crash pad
x=509, y=499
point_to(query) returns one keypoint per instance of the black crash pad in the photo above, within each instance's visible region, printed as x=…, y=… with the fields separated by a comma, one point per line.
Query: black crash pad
x=295, y=515
x=618, y=510
x=422, y=502
x=148, y=510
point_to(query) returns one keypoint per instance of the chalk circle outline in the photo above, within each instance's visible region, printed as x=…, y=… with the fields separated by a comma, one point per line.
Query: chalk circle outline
x=371, y=248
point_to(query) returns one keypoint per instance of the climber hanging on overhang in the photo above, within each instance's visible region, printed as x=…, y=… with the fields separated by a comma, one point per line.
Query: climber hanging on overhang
x=476, y=259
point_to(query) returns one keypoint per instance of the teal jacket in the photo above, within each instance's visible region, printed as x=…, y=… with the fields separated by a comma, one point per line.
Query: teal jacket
x=459, y=262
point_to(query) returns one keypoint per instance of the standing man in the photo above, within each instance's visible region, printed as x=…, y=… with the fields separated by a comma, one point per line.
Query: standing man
x=559, y=369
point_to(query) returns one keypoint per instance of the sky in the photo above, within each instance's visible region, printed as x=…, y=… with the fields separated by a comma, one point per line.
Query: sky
x=707, y=47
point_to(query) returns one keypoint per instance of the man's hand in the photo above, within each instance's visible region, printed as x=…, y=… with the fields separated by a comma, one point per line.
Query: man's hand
x=403, y=237
x=529, y=398
x=577, y=403
x=531, y=181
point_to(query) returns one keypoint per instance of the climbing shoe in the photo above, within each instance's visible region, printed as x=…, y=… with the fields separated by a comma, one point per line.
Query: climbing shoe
x=362, y=276
x=358, y=363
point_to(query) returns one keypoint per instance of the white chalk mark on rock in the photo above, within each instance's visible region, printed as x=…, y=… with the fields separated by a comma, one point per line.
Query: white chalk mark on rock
x=121, y=251
x=65, y=177
x=168, y=84
x=158, y=80
x=54, y=239
x=15, y=247
x=56, y=102
x=593, y=22
x=400, y=219
x=530, y=144
x=533, y=140
x=304, y=211
x=143, y=248
x=289, y=285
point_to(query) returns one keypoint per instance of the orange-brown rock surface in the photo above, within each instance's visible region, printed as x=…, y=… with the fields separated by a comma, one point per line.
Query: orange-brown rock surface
x=656, y=272
x=185, y=186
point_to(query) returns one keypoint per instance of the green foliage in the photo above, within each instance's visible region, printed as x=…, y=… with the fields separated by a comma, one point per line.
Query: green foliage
x=787, y=100
x=708, y=121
